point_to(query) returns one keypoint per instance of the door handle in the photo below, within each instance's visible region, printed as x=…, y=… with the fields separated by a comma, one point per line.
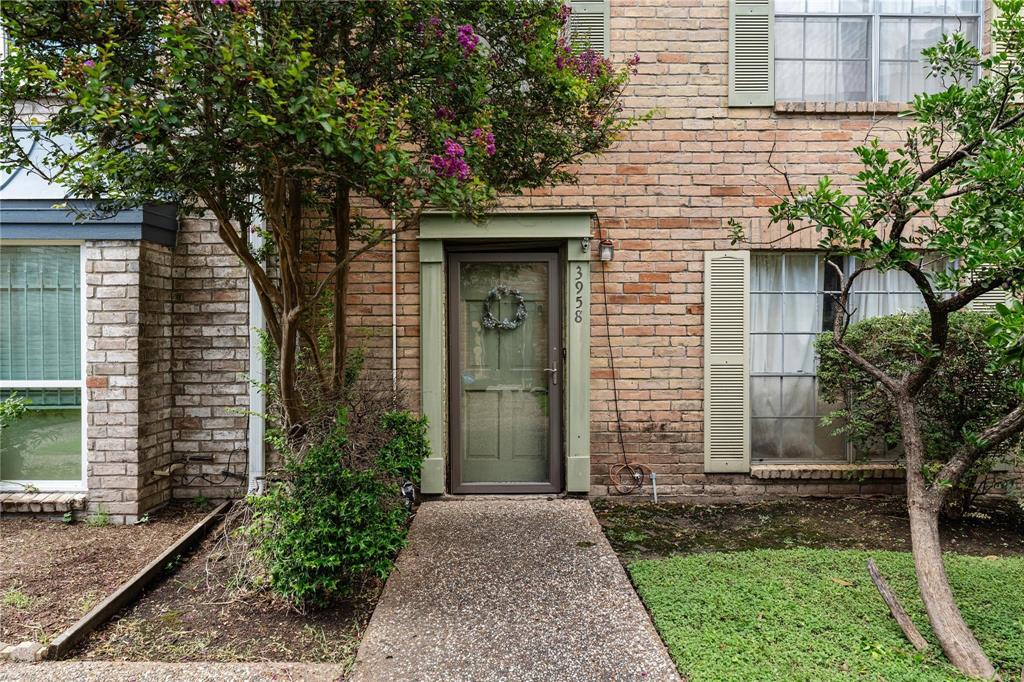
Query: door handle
x=554, y=374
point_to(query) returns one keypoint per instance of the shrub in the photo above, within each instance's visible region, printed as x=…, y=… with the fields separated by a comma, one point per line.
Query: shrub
x=337, y=516
x=968, y=393
x=11, y=409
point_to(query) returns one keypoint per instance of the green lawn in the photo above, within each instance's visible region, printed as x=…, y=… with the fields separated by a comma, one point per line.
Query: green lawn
x=807, y=614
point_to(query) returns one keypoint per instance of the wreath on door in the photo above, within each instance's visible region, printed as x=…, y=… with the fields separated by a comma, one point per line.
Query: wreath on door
x=494, y=296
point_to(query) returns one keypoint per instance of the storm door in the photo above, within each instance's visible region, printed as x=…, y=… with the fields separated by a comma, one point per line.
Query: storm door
x=504, y=372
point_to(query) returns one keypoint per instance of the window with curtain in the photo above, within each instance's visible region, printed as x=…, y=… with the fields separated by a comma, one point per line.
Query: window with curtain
x=863, y=50
x=40, y=360
x=789, y=306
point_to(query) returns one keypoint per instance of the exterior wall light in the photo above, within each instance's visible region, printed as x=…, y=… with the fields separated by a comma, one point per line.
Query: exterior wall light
x=606, y=250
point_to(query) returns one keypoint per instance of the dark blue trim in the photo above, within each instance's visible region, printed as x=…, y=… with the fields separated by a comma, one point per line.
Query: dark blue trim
x=38, y=219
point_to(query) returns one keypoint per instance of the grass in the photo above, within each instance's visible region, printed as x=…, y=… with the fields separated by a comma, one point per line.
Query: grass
x=16, y=599
x=813, y=614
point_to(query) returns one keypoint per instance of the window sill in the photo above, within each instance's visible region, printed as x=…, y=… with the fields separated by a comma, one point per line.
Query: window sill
x=867, y=108
x=814, y=471
x=41, y=502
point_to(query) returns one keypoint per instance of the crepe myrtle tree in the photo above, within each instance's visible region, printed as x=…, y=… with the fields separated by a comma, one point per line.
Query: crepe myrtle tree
x=951, y=192
x=305, y=121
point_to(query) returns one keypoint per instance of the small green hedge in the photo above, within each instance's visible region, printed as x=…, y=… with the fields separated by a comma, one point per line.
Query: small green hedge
x=814, y=615
x=338, y=519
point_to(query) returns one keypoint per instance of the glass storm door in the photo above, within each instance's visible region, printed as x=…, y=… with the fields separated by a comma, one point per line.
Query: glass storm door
x=505, y=375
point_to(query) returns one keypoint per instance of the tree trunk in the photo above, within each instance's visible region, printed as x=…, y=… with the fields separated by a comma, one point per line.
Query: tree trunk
x=955, y=638
x=923, y=505
x=342, y=215
x=291, y=402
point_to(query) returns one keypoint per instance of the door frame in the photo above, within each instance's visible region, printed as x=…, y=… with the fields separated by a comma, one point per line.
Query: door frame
x=455, y=258
x=442, y=231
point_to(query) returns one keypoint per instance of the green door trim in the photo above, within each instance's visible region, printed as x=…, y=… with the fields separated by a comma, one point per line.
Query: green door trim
x=573, y=228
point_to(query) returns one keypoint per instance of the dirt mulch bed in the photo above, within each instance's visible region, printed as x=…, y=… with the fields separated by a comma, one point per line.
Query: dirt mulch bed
x=191, y=617
x=642, y=531
x=52, y=573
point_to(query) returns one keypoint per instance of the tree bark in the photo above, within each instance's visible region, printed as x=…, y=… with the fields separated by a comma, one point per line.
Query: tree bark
x=924, y=503
x=291, y=402
x=896, y=609
x=955, y=638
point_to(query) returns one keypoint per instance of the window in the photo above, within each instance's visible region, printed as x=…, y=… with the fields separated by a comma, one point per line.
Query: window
x=789, y=306
x=860, y=50
x=41, y=360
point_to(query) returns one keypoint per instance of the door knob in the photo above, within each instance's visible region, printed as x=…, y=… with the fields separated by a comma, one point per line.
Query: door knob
x=554, y=374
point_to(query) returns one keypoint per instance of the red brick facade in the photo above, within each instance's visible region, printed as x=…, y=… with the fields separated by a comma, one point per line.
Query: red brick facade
x=177, y=348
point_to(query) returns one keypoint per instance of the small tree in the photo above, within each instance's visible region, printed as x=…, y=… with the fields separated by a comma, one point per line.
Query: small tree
x=304, y=120
x=952, y=191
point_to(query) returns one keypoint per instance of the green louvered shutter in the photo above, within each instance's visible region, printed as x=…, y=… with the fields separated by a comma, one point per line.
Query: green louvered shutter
x=588, y=25
x=751, y=53
x=726, y=364
x=986, y=303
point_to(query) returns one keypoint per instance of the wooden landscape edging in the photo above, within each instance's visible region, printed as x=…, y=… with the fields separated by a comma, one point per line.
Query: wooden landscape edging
x=130, y=590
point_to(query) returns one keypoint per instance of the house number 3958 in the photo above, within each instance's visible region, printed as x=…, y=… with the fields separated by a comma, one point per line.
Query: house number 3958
x=579, y=294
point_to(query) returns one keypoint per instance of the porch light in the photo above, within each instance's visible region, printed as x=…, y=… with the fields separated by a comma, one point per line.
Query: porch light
x=606, y=250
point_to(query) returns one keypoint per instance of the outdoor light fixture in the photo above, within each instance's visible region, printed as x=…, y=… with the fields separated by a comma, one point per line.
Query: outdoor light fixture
x=606, y=250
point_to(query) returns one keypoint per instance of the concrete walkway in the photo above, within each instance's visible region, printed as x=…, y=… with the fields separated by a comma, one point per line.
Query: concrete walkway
x=524, y=589
x=109, y=671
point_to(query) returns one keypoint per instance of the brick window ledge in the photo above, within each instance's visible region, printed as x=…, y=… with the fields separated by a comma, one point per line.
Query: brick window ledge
x=41, y=502
x=840, y=107
x=813, y=471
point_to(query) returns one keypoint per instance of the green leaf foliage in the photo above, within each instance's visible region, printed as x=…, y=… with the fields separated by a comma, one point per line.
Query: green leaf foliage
x=332, y=524
x=205, y=102
x=973, y=389
x=970, y=392
x=814, y=616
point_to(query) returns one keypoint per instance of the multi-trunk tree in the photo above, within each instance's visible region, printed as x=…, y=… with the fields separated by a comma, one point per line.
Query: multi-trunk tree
x=312, y=123
x=953, y=193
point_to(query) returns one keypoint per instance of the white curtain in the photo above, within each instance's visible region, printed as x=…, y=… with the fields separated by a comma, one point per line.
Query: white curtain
x=875, y=294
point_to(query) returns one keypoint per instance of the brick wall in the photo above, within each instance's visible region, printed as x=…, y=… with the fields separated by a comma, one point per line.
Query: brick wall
x=665, y=194
x=156, y=389
x=167, y=353
x=210, y=362
x=128, y=387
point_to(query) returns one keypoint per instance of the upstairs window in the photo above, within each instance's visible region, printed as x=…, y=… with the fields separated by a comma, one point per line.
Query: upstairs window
x=863, y=50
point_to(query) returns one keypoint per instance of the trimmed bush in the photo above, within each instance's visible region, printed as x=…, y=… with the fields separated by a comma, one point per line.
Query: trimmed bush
x=336, y=519
x=969, y=392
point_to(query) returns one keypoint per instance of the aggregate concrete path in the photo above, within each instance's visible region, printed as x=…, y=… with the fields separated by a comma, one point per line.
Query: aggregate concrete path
x=498, y=589
x=105, y=671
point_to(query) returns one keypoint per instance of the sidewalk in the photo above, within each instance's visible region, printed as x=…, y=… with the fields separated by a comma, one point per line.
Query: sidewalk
x=108, y=671
x=510, y=590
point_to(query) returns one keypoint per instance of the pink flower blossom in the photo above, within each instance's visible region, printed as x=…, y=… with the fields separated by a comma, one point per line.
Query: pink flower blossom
x=487, y=139
x=451, y=164
x=563, y=14
x=219, y=2
x=444, y=113
x=88, y=63
x=468, y=39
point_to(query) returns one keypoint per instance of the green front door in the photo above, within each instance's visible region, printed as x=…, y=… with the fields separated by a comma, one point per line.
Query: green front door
x=504, y=374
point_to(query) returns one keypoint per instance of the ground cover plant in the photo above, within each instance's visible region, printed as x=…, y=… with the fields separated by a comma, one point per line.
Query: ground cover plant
x=806, y=614
x=654, y=531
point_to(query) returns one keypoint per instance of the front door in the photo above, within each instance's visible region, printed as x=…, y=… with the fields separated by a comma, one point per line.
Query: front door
x=504, y=372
